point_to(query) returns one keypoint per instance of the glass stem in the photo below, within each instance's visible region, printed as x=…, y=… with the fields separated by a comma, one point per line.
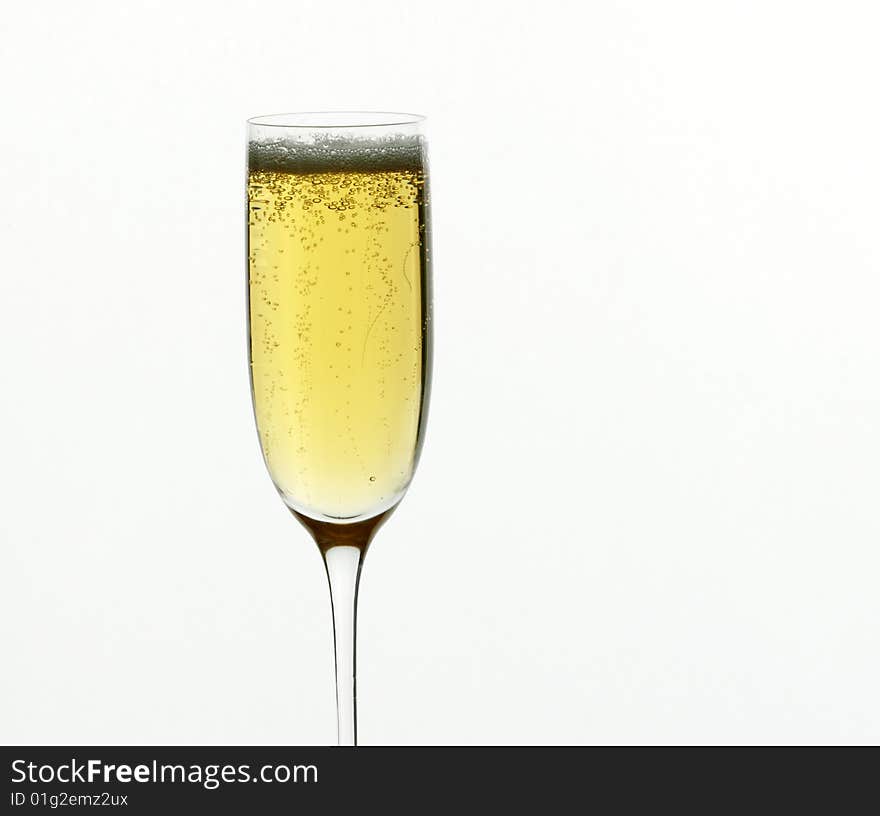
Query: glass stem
x=343, y=564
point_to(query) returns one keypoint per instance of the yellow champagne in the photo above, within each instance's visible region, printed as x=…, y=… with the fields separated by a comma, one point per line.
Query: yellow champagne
x=339, y=300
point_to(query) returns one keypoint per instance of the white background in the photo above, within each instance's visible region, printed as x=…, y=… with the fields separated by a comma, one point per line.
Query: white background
x=647, y=509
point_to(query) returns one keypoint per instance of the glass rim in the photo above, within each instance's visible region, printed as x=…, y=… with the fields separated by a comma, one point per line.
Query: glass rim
x=336, y=120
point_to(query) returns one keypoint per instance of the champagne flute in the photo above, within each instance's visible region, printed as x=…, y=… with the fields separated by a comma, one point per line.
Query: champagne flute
x=339, y=316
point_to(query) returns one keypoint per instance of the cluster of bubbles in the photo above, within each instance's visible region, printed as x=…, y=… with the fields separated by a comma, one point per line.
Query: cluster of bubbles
x=337, y=195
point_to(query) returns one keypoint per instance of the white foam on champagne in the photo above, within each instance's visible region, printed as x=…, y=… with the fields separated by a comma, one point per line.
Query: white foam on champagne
x=326, y=153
